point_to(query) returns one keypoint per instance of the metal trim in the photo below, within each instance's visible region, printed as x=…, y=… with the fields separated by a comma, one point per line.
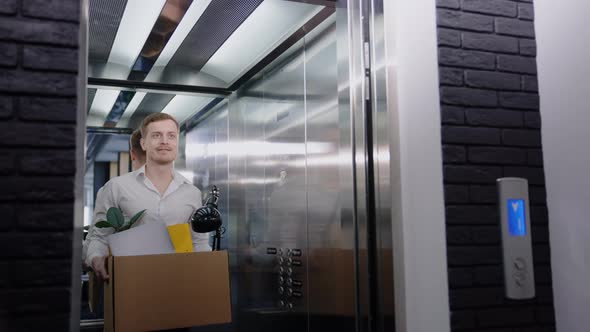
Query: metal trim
x=370, y=188
x=382, y=181
x=348, y=100
x=155, y=87
x=108, y=130
x=325, y=3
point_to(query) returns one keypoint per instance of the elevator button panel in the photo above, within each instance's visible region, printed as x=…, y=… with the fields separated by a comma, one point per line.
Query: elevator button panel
x=289, y=283
x=517, y=251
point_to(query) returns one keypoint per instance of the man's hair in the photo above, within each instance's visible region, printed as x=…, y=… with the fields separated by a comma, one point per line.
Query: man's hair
x=155, y=117
x=135, y=143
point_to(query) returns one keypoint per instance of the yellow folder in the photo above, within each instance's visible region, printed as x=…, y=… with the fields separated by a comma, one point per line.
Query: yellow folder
x=180, y=235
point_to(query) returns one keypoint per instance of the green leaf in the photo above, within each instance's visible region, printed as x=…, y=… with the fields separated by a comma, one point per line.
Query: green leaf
x=115, y=217
x=103, y=224
x=136, y=218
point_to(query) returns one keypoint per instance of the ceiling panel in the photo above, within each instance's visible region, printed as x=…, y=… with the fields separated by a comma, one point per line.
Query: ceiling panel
x=271, y=23
x=103, y=102
x=191, y=17
x=91, y=93
x=218, y=22
x=104, y=17
x=151, y=103
x=183, y=106
x=209, y=43
x=131, y=108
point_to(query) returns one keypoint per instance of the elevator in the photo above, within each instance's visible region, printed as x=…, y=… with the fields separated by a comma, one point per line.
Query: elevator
x=282, y=106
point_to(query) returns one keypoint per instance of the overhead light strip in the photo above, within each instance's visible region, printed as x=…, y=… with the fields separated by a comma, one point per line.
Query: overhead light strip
x=103, y=102
x=253, y=39
x=131, y=108
x=162, y=29
x=136, y=25
x=170, y=17
x=183, y=106
x=182, y=30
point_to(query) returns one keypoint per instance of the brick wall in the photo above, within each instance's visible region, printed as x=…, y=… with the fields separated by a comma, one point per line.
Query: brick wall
x=38, y=66
x=490, y=129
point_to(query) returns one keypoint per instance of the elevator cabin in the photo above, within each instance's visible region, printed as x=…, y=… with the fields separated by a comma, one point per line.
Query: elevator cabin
x=282, y=106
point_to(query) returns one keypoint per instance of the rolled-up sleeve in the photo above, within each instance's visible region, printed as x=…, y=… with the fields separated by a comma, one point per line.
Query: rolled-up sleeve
x=97, y=238
x=201, y=242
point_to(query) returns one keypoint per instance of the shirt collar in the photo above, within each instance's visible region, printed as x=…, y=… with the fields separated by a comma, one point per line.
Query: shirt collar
x=179, y=177
x=140, y=171
x=176, y=176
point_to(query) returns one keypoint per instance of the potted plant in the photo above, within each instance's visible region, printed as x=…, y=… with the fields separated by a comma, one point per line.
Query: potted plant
x=116, y=220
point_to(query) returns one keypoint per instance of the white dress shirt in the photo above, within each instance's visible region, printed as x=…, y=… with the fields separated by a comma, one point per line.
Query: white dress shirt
x=134, y=192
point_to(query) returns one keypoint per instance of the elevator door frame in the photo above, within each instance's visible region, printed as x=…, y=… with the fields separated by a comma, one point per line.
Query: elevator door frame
x=365, y=93
x=366, y=98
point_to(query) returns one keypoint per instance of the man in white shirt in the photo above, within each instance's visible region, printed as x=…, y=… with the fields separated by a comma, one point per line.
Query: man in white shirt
x=168, y=196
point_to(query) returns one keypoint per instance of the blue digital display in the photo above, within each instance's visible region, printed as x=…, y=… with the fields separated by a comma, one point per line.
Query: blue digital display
x=516, y=217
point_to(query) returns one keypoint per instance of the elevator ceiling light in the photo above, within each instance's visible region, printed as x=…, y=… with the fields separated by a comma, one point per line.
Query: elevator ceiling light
x=102, y=104
x=136, y=25
x=215, y=44
x=183, y=106
x=271, y=23
x=131, y=108
x=188, y=21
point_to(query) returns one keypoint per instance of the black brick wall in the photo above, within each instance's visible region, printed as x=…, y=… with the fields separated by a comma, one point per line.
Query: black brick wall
x=38, y=69
x=490, y=129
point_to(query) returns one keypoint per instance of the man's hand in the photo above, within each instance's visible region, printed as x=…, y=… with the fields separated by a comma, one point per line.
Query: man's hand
x=99, y=267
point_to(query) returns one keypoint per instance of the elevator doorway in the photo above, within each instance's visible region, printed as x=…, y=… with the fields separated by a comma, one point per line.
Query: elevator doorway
x=282, y=106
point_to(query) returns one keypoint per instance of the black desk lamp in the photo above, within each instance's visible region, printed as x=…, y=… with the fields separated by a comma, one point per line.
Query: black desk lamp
x=208, y=219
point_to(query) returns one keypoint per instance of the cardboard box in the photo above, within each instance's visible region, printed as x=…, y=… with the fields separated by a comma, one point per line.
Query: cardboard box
x=157, y=292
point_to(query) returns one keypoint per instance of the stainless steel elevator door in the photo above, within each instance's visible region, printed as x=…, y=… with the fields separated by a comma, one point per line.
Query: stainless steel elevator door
x=289, y=151
x=280, y=142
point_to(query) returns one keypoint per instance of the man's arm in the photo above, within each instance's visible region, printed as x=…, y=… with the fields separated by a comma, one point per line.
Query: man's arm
x=97, y=249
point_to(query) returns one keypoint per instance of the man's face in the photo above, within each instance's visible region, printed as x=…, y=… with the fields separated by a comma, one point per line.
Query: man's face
x=161, y=141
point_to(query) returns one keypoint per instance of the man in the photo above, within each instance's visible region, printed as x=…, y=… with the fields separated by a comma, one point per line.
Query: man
x=166, y=195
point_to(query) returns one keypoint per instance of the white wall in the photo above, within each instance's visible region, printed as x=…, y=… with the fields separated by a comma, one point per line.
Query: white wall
x=420, y=261
x=563, y=59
